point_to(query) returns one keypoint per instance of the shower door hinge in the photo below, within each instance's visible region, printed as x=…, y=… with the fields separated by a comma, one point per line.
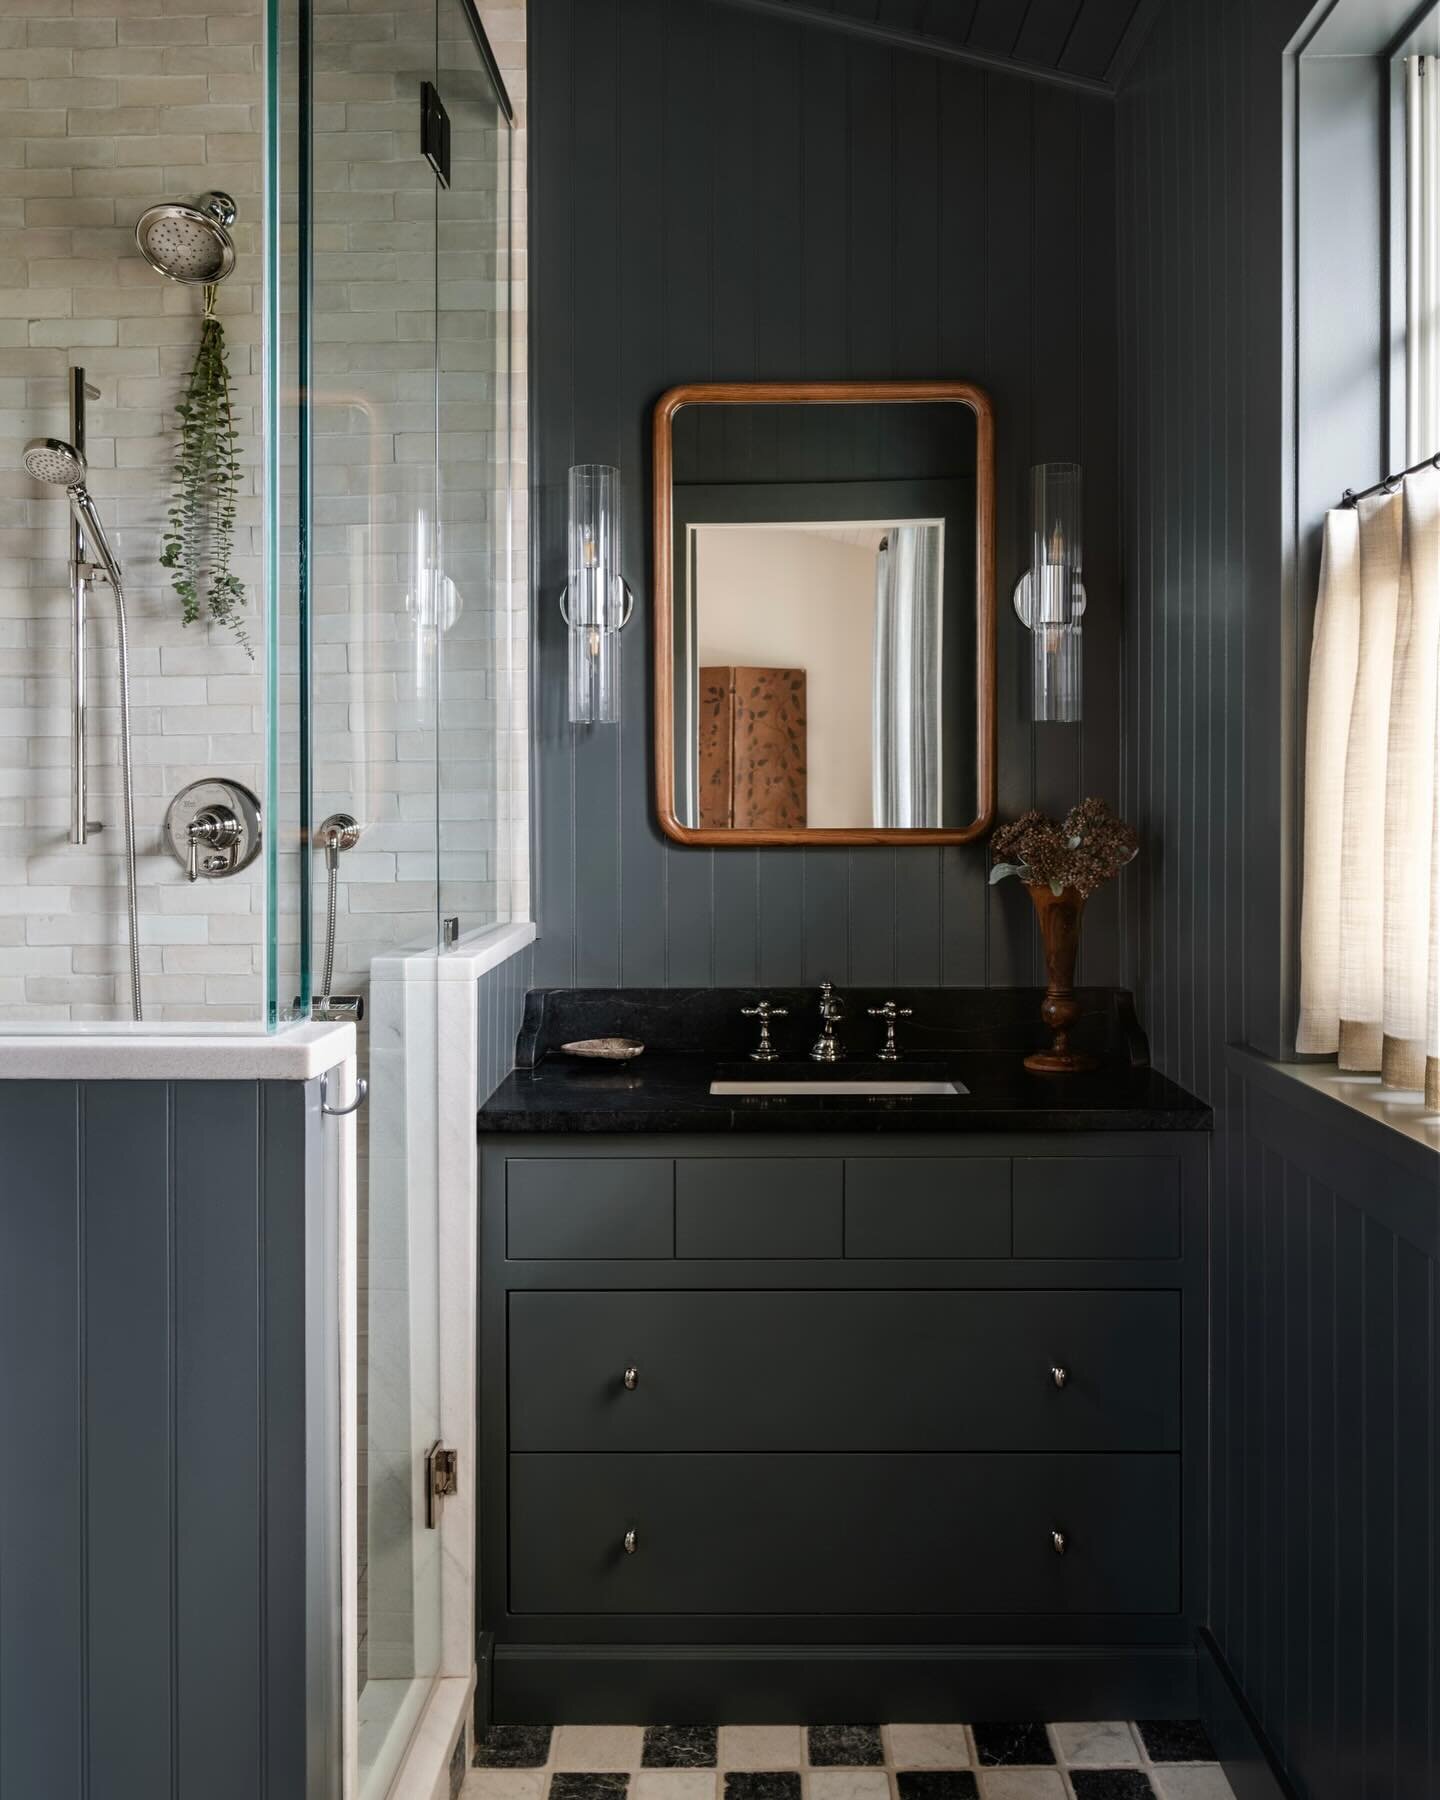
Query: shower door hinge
x=435, y=131
x=442, y=1478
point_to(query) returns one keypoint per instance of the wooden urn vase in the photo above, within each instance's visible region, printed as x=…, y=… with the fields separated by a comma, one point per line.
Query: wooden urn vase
x=1059, y=916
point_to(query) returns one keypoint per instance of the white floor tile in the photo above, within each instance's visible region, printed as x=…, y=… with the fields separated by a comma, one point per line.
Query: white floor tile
x=847, y=1784
x=597, y=1747
x=674, y=1784
x=759, y=1746
x=927, y=1746
x=1107, y=1744
x=1206, y=1782
x=1022, y=1784
x=503, y=1784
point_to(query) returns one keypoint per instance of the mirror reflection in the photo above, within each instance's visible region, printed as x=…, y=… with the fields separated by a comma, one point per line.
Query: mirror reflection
x=824, y=597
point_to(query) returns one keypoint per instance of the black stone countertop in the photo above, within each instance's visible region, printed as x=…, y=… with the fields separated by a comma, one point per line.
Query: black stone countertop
x=975, y=1036
x=671, y=1093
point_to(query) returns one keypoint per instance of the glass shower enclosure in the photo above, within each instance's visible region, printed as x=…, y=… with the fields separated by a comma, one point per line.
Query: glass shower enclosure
x=366, y=299
x=388, y=532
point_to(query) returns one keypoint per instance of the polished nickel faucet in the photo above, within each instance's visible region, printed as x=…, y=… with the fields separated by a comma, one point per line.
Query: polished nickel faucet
x=827, y=1047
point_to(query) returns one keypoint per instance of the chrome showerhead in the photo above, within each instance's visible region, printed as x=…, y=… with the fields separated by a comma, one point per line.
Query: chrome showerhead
x=189, y=243
x=54, y=461
x=59, y=464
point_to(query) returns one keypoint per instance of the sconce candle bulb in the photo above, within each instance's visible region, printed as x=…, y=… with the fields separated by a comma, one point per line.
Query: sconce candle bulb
x=1050, y=596
x=596, y=603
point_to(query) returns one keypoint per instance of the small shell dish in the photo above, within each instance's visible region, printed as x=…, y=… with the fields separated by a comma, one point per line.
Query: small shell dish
x=609, y=1049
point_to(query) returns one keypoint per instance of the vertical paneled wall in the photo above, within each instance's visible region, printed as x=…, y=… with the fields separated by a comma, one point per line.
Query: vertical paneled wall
x=1326, y=1496
x=153, y=1412
x=1209, y=690
x=1325, y=1378
x=500, y=1007
x=721, y=196
x=1199, y=151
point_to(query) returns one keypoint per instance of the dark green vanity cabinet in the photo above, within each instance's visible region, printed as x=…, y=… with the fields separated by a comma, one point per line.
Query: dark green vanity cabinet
x=836, y=1425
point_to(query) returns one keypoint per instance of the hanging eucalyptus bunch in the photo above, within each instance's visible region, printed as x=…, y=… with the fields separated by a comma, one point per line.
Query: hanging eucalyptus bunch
x=200, y=528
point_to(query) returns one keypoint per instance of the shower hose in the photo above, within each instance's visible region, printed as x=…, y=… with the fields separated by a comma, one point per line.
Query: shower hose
x=332, y=868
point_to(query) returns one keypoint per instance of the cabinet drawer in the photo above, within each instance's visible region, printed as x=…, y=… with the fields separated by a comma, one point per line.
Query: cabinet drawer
x=917, y=1533
x=589, y=1207
x=927, y=1206
x=759, y=1206
x=956, y=1370
x=1100, y=1206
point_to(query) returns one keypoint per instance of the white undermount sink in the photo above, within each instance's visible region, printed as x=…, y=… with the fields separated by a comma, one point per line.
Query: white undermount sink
x=879, y=1090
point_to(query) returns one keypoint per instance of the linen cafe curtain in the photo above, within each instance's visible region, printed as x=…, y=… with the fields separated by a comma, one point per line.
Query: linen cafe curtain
x=1370, y=919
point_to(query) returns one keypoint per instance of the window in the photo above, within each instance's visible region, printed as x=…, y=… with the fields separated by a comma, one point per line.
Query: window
x=1370, y=920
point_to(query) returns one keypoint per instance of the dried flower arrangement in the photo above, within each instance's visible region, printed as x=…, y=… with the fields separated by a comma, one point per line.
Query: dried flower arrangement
x=1062, y=863
x=1081, y=851
x=200, y=528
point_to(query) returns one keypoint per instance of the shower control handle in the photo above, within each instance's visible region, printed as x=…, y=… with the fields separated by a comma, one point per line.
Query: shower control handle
x=218, y=828
x=213, y=828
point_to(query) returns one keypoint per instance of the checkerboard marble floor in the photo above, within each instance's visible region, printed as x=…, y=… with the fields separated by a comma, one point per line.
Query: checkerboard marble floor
x=1156, y=1760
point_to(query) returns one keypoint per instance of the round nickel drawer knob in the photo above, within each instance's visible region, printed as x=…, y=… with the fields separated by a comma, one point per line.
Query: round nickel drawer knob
x=1059, y=1375
x=632, y=1379
x=632, y=1543
x=1058, y=1542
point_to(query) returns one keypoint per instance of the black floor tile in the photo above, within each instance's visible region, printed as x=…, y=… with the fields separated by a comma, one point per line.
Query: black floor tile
x=1112, y=1784
x=588, y=1787
x=1176, y=1740
x=762, y=1784
x=1002, y=1746
x=845, y=1747
x=679, y=1747
x=936, y=1784
x=512, y=1746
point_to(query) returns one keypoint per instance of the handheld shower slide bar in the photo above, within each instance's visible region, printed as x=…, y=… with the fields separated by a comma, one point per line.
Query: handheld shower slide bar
x=61, y=464
x=80, y=825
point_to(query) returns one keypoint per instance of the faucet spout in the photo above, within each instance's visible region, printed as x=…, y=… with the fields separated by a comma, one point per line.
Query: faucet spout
x=827, y=1047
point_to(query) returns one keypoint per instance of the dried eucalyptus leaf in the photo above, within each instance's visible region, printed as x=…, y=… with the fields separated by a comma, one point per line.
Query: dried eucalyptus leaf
x=199, y=537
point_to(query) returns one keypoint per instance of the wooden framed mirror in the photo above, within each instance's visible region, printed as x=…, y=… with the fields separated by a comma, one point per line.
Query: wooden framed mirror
x=825, y=613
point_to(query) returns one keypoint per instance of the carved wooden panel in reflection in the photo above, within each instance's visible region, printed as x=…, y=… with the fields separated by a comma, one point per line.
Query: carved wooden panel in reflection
x=752, y=748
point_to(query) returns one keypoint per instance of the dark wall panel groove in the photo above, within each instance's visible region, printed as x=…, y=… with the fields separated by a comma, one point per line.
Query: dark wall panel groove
x=721, y=195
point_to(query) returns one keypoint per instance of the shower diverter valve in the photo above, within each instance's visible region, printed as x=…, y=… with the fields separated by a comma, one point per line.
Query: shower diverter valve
x=213, y=828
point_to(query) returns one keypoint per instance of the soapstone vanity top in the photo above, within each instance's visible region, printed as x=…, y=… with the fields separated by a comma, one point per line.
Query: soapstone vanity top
x=976, y=1037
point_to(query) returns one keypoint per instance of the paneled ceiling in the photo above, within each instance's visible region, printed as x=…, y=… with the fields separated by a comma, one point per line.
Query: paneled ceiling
x=1081, y=41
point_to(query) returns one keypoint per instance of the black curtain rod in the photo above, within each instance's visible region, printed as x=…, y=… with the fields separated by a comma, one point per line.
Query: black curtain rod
x=1390, y=483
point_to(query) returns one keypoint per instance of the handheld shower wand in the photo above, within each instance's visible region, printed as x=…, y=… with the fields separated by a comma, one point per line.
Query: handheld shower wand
x=62, y=465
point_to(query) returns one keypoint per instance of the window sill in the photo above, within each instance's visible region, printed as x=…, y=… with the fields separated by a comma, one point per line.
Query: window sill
x=1388, y=1120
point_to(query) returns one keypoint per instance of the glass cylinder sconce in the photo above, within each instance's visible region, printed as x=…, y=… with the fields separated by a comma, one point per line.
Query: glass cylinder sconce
x=596, y=603
x=1050, y=596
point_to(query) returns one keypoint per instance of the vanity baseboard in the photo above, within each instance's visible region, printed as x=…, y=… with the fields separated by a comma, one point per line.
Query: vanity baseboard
x=754, y=1684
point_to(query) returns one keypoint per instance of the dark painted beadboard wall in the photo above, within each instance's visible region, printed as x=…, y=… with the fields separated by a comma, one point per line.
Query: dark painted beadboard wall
x=156, y=1439
x=499, y=1010
x=1207, y=700
x=1325, y=1511
x=1325, y=1597
x=719, y=195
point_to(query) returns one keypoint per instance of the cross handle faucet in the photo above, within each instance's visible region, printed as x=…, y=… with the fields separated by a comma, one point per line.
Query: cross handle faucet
x=762, y=1010
x=890, y=1012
